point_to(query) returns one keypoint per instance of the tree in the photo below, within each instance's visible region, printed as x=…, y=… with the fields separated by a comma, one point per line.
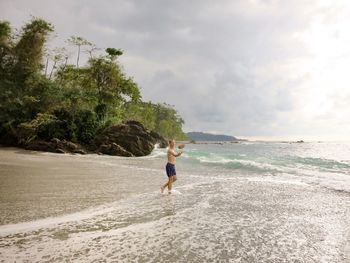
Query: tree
x=67, y=101
x=21, y=83
x=5, y=33
x=113, y=53
x=110, y=85
x=30, y=47
x=5, y=49
x=56, y=56
x=91, y=49
x=78, y=41
x=59, y=54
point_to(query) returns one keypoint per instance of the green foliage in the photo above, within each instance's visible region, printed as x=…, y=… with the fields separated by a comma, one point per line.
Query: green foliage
x=5, y=29
x=79, y=41
x=67, y=127
x=87, y=125
x=114, y=53
x=169, y=123
x=43, y=124
x=30, y=46
x=5, y=34
x=161, y=118
x=67, y=101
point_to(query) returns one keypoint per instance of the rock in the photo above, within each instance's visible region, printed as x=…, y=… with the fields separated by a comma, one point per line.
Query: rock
x=60, y=151
x=80, y=151
x=68, y=145
x=131, y=136
x=55, y=140
x=38, y=145
x=160, y=140
x=114, y=149
x=55, y=146
x=71, y=146
x=127, y=139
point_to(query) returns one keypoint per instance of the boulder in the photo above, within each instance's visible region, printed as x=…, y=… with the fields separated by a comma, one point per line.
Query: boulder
x=132, y=137
x=126, y=139
x=55, y=146
x=80, y=151
x=159, y=139
x=114, y=149
x=38, y=145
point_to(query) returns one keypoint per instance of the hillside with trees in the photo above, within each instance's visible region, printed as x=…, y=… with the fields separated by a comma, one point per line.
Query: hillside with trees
x=202, y=136
x=43, y=96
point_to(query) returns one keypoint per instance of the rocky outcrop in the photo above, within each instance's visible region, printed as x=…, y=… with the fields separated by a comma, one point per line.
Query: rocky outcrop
x=159, y=139
x=114, y=149
x=128, y=139
x=55, y=146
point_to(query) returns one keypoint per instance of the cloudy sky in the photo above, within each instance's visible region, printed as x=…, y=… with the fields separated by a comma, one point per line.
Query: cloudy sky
x=251, y=68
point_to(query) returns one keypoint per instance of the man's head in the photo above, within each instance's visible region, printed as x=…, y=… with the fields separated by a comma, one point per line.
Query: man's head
x=171, y=143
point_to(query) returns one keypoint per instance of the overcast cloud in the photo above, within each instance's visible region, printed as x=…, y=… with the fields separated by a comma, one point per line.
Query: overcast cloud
x=246, y=68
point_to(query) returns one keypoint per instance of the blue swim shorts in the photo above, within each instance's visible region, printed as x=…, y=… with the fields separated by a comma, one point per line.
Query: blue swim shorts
x=170, y=169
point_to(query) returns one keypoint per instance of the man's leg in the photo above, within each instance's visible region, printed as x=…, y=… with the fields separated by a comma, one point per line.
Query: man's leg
x=164, y=186
x=170, y=183
x=174, y=178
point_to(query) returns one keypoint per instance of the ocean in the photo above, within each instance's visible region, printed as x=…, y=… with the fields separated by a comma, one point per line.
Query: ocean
x=323, y=164
x=233, y=202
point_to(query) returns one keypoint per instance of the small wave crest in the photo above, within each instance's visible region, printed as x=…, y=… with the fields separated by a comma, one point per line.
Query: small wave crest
x=239, y=164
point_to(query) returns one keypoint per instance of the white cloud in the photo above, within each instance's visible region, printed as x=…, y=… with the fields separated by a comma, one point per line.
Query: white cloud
x=253, y=68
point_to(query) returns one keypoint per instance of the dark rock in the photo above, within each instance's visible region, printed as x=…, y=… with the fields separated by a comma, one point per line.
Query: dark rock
x=80, y=151
x=160, y=139
x=41, y=146
x=131, y=136
x=127, y=139
x=69, y=145
x=60, y=151
x=114, y=149
x=55, y=146
x=55, y=140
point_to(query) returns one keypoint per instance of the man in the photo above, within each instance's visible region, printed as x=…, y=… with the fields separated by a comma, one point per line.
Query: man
x=170, y=166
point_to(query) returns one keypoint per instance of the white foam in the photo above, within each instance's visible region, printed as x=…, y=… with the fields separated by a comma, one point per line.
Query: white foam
x=222, y=160
x=278, y=180
x=54, y=221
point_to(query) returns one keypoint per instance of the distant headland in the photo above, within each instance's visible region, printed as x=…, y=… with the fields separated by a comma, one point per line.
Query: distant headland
x=202, y=136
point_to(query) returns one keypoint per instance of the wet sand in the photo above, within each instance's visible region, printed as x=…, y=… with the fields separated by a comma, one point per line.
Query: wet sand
x=57, y=208
x=36, y=185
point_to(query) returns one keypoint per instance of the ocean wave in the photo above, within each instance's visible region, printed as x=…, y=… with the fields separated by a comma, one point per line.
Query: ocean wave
x=271, y=163
x=240, y=164
x=321, y=163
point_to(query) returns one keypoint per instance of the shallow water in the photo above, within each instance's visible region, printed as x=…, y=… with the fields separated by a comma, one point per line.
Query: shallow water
x=232, y=203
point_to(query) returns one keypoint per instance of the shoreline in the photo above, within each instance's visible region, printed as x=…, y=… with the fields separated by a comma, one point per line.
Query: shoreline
x=107, y=208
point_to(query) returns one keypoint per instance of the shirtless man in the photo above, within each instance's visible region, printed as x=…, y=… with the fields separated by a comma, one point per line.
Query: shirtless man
x=170, y=166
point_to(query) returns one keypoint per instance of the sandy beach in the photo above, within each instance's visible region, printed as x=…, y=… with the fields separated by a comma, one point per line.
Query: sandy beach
x=91, y=208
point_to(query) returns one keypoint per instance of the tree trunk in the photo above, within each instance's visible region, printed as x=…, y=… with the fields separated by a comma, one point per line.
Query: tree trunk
x=78, y=56
x=47, y=64
x=53, y=67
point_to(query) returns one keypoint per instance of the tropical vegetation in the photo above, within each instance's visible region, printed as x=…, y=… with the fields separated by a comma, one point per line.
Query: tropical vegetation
x=43, y=96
